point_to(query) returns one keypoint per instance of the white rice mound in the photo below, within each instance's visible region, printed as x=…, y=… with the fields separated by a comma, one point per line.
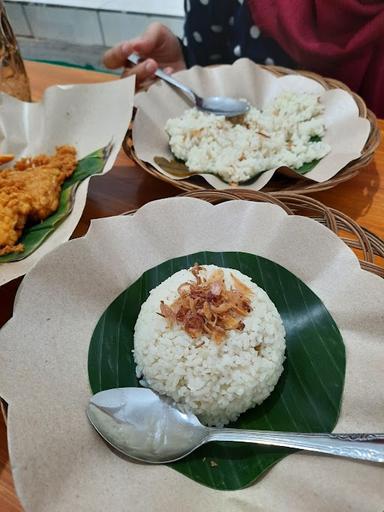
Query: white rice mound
x=215, y=382
x=280, y=135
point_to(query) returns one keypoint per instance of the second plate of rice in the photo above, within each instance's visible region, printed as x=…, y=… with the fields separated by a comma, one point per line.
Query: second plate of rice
x=306, y=127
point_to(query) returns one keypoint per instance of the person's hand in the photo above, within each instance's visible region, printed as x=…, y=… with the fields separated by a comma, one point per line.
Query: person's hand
x=157, y=46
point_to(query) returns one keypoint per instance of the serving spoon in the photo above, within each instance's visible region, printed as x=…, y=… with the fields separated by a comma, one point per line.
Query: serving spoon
x=218, y=105
x=151, y=428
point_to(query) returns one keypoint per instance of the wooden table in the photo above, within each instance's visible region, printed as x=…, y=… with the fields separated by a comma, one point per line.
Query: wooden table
x=126, y=187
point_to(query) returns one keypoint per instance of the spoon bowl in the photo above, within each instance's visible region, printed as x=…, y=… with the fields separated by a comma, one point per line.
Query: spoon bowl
x=140, y=424
x=222, y=105
x=151, y=428
x=218, y=105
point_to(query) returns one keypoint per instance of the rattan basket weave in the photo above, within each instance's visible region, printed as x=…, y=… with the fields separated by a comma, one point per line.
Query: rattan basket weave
x=280, y=182
x=368, y=247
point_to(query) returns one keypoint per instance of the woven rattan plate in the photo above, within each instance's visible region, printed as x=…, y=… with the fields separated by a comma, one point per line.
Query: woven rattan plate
x=280, y=182
x=368, y=247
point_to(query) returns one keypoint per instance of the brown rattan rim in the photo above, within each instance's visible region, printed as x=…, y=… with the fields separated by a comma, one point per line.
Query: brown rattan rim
x=368, y=247
x=297, y=186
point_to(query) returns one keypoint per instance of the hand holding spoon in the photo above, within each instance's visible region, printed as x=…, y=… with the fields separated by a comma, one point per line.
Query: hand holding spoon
x=218, y=105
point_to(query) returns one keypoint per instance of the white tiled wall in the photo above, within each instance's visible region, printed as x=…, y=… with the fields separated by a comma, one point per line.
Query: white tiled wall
x=18, y=19
x=97, y=25
x=80, y=26
x=161, y=7
x=118, y=26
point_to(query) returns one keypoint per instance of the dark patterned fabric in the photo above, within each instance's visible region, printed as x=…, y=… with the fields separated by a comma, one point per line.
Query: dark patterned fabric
x=221, y=31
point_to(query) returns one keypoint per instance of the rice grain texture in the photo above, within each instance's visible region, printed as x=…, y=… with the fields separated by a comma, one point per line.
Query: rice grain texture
x=288, y=132
x=217, y=382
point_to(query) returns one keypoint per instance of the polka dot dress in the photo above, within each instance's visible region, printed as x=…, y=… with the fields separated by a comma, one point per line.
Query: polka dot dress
x=221, y=31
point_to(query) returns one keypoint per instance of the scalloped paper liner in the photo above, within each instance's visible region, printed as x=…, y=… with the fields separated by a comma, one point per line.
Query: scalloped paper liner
x=60, y=463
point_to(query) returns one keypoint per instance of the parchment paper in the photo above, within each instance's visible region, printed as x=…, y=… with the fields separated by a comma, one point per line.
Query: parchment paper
x=346, y=131
x=59, y=462
x=86, y=116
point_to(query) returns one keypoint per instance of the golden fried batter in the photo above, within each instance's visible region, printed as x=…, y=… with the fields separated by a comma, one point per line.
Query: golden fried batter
x=30, y=191
x=14, y=209
x=42, y=185
x=64, y=160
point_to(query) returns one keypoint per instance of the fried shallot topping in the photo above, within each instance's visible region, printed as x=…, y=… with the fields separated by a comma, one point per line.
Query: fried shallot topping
x=207, y=307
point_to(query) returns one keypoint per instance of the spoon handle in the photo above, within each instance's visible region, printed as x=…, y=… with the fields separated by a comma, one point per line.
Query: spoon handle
x=135, y=59
x=354, y=446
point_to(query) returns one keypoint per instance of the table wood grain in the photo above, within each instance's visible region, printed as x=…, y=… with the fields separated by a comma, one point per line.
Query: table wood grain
x=127, y=187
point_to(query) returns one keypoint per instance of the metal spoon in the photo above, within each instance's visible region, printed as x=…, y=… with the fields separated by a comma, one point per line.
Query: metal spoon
x=218, y=105
x=151, y=428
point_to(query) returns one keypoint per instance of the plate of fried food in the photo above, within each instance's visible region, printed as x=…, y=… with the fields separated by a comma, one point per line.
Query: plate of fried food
x=48, y=152
x=33, y=190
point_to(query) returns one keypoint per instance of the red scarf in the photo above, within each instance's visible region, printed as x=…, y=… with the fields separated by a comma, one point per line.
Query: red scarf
x=343, y=39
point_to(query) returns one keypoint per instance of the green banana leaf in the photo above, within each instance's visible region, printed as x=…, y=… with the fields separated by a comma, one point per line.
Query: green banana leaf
x=34, y=236
x=307, y=397
x=178, y=169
